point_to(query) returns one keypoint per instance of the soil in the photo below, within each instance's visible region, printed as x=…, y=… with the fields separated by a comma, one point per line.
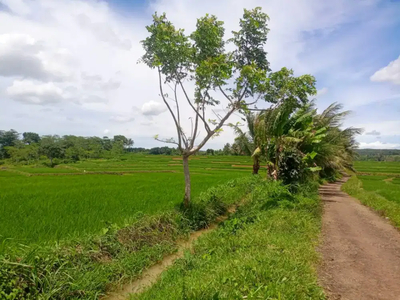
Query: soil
x=360, y=250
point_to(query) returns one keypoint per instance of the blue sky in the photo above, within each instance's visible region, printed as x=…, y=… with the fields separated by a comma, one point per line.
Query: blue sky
x=81, y=77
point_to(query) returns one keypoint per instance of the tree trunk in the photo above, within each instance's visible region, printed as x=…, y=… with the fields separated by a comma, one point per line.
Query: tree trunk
x=186, y=199
x=256, y=166
x=51, y=161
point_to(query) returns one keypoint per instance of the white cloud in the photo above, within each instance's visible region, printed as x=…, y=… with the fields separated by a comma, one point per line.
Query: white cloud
x=103, y=32
x=16, y=6
x=21, y=55
x=378, y=145
x=106, y=131
x=122, y=119
x=384, y=128
x=34, y=93
x=390, y=73
x=153, y=108
x=93, y=99
x=89, y=53
x=322, y=92
x=373, y=132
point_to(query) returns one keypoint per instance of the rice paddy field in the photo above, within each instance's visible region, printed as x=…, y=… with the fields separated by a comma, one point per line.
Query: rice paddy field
x=375, y=167
x=382, y=178
x=44, y=205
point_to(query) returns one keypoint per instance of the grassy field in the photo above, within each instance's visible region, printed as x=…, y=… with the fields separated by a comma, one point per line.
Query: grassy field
x=377, y=167
x=38, y=205
x=380, y=189
x=265, y=250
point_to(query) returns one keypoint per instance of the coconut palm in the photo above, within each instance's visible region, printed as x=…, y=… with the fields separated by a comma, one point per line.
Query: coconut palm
x=252, y=141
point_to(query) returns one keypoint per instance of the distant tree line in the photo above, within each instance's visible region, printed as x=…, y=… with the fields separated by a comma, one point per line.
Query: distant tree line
x=378, y=155
x=30, y=147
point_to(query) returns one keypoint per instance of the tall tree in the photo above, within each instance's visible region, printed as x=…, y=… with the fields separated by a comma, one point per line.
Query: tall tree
x=227, y=149
x=7, y=139
x=30, y=138
x=51, y=146
x=239, y=77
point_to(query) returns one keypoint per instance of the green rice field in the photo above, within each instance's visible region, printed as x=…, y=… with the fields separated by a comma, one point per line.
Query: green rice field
x=383, y=167
x=39, y=205
x=383, y=178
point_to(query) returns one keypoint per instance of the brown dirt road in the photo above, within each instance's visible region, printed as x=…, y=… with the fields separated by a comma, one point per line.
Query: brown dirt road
x=360, y=250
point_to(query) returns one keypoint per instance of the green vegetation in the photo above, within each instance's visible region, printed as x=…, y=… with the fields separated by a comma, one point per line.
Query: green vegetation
x=239, y=76
x=295, y=142
x=378, y=187
x=373, y=191
x=86, y=267
x=264, y=251
x=48, y=208
x=378, y=155
x=374, y=167
x=81, y=215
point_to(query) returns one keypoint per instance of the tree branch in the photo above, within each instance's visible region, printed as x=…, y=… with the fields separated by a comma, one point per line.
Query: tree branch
x=194, y=109
x=167, y=141
x=226, y=96
x=196, y=123
x=212, y=132
x=178, y=128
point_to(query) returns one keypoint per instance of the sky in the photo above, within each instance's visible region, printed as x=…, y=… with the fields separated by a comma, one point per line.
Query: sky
x=71, y=66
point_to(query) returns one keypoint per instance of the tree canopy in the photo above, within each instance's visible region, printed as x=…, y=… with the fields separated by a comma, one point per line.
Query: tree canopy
x=235, y=79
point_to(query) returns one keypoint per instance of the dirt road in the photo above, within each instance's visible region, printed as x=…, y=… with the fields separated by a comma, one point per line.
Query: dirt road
x=360, y=250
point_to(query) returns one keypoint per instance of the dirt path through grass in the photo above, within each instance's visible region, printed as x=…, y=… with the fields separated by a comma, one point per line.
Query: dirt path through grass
x=152, y=274
x=360, y=249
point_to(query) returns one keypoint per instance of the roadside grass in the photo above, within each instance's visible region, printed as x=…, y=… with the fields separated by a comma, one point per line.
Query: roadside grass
x=372, y=191
x=42, y=209
x=85, y=268
x=264, y=251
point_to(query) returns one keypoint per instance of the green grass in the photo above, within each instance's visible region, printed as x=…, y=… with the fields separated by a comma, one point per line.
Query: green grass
x=382, y=196
x=265, y=251
x=49, y=208
x=377, y=167
x=86, y=268
x=382, y=185
x=377, y=186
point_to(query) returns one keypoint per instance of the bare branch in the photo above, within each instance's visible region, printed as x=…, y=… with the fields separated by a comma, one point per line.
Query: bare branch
x=194, y=109
x=196, y=124
x=217, y=115
x=167, y=141
x=254, y=102
x=177, y=104
x=178, y=127
x=212, y=132
x=226, y=96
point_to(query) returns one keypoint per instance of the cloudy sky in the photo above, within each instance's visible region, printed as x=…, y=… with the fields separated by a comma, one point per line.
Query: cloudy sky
x=70, y=66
